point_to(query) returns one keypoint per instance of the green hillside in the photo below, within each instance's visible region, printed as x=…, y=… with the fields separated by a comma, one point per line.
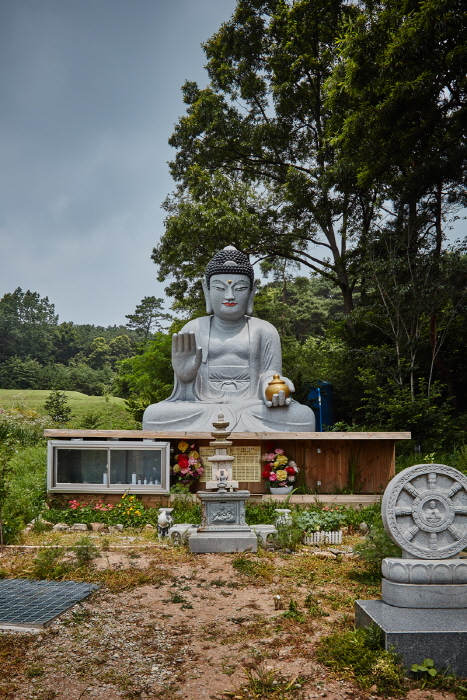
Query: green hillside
x=107, y=412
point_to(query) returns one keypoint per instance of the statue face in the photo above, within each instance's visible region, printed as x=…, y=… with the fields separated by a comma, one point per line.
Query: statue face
x=229, y=295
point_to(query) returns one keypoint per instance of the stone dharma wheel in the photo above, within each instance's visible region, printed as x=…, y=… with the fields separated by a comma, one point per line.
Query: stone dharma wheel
x=424, y=511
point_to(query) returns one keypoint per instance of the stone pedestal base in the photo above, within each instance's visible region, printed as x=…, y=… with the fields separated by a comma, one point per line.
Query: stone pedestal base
x=223, y=541
x=267, y=533
x=182, y=531
x=424, y=595
x=440, y=635
x=223, y=527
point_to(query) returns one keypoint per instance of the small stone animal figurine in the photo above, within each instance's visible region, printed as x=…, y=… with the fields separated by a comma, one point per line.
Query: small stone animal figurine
x=278, y=603
x=164, y=521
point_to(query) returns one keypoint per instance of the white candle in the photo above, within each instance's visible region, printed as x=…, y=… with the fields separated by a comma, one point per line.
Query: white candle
x=104, y=478
x=133, y=478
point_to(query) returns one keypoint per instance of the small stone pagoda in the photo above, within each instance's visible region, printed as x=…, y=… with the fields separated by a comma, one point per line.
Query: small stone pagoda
x=223, y=527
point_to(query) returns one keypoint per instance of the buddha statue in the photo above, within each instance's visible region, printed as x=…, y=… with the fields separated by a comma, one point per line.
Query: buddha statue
x=224, y=362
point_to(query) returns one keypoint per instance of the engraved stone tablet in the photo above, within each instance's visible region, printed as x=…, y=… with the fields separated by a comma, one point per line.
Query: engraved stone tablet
x=424, y=511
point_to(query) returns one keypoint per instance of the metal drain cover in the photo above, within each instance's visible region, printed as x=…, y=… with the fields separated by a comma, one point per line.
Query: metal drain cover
x=36, y=604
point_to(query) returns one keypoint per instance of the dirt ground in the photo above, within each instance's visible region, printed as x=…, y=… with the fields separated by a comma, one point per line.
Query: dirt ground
x=193, y=632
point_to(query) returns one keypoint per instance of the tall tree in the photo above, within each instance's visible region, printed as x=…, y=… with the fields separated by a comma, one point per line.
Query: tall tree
x=148, y=317
x=254, y=165
x=397, y=98
x=26, y=322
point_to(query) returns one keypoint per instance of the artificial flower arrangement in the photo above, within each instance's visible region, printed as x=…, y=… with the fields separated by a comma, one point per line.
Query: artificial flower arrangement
x=188, y=465
x=279, y=470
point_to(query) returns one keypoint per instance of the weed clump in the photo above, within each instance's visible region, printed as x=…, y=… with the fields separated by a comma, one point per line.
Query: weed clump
x=254, y=568
x=85, y=551
x=361, y=653
x=293, y=613
x=262, y=683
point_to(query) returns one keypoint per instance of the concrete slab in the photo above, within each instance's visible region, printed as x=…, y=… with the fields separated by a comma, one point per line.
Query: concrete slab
x=417, y=634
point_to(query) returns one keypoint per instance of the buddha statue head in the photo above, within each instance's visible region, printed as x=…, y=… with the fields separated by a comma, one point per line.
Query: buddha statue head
x=228, y=285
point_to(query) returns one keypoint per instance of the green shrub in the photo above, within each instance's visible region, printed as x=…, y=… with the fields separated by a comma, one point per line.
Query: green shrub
x=377, y=546
x=27, y=485
x=262, y=513
x=185, y=510
x=56, y=405
x=288, y=537
x=327, y=519
x=49, y=564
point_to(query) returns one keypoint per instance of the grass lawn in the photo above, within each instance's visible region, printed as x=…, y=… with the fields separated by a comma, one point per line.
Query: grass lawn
x=99, y=411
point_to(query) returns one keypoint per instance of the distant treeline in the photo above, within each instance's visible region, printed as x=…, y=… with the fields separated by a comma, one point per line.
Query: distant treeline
x=38, y=352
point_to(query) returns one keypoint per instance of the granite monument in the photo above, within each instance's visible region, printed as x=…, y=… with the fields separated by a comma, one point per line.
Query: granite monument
x=224, y=362
x=423, y=611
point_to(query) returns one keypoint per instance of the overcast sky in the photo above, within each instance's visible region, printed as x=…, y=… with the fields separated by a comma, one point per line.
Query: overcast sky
x=89, y=95
x=90, y=92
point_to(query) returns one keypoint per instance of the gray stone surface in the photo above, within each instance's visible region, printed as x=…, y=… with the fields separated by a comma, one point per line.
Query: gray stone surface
x=223, y=527
x=432, y=571
x=440, y=635
x=213, y=542
x=267, y=533
x=424, y=511
x=424, y=595
x=224, y=362
x=181, y=531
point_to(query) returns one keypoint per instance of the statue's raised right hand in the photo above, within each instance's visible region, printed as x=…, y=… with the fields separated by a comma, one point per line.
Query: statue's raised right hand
x=186, y=357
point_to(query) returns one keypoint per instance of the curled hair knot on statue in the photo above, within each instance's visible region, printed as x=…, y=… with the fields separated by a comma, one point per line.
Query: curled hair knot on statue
x=229, y=261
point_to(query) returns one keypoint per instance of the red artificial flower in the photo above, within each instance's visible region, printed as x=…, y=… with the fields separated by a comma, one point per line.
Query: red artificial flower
x=265, y=474
x=290, y=470
x=182, y=461
x=269, y=445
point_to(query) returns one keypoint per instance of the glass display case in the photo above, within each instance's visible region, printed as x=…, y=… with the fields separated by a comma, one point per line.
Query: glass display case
x=108, y=466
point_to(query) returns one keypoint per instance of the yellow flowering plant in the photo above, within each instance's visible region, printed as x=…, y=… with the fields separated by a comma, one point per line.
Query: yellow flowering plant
x=279, y=470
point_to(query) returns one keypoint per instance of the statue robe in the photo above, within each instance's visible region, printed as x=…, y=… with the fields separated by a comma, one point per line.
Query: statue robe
x=195, y=405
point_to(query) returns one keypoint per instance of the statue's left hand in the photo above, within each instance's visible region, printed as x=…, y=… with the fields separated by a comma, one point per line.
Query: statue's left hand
x=279, y=398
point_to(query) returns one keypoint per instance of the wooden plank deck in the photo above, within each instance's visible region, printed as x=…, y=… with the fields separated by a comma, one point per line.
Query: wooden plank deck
x=65, y=433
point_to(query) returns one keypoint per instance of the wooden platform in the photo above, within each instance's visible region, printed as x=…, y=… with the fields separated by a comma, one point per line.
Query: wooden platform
x=324, y=457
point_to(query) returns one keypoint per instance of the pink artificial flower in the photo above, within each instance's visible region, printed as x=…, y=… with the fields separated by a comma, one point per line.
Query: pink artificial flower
x=272, y=476
x=271, y=457
x=185, y=471
x=278, y=451
x=192, y=461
